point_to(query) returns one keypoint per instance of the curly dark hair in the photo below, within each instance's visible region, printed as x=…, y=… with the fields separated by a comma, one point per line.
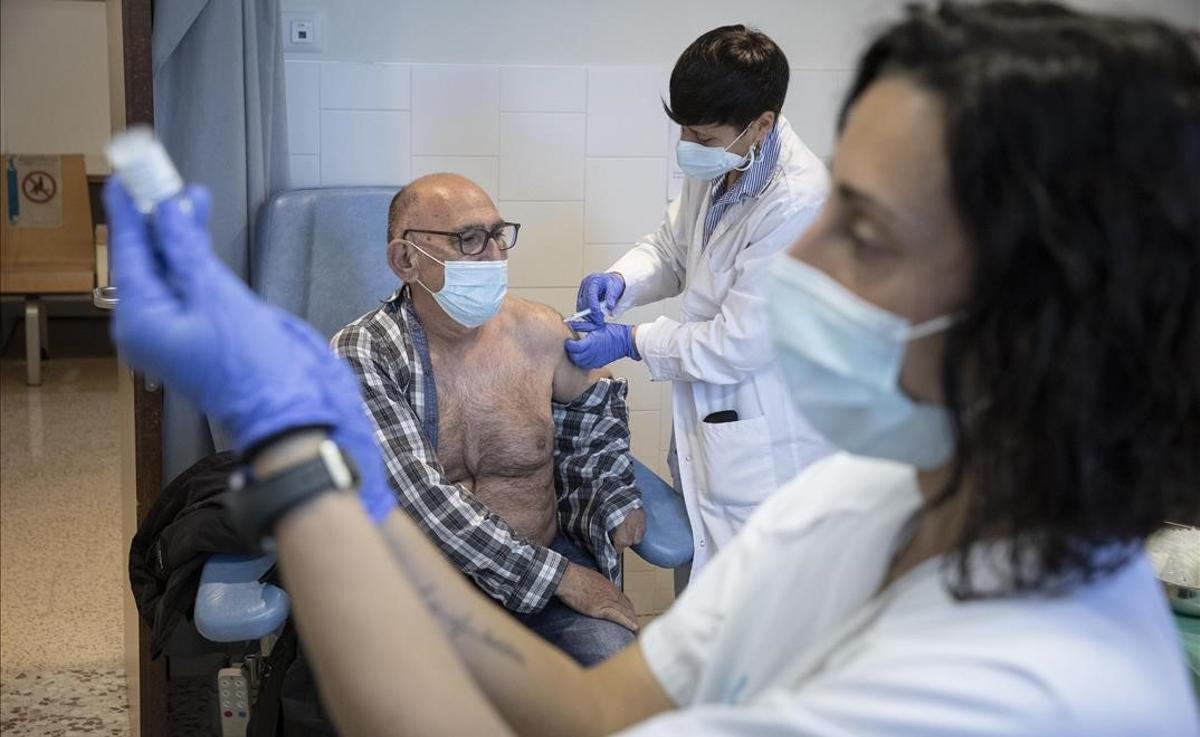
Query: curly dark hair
x=1073, y=143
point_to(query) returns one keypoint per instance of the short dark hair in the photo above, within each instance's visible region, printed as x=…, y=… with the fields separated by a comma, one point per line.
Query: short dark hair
x=1073, y=144
x=728, y=76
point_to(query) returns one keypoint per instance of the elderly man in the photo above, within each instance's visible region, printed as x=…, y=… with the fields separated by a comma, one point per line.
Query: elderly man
x=514, y=461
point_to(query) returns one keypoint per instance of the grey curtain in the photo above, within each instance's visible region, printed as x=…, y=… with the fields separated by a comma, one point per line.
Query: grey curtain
x=219, y=109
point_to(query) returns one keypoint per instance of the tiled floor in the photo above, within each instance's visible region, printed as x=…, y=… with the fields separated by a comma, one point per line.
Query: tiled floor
x=61, y=553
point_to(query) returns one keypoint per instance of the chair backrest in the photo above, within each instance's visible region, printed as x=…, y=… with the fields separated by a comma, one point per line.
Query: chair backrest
x=319, y=253
x=322, y=253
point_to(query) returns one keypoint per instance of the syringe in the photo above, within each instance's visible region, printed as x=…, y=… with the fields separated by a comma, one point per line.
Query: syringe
x=581, y=315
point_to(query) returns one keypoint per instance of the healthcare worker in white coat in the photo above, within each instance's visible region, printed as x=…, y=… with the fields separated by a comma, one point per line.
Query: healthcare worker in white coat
x=751, y=189
x=1008, y=363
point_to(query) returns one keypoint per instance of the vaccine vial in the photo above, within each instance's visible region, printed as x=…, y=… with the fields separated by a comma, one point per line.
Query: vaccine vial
x=143, y=167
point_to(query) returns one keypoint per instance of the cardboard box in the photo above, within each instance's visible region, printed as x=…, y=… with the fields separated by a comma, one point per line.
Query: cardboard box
x=45, y=225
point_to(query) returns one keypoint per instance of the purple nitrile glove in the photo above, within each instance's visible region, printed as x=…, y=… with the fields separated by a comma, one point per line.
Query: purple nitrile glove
x=601, y=346
x=599, y=293
x=182, y=316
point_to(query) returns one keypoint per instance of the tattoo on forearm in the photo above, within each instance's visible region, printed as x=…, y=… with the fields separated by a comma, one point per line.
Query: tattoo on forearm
x=458, y=625
x=455, y=624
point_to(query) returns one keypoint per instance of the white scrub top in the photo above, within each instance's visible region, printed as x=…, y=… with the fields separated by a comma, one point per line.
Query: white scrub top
x=783, y=635
x=719, y=354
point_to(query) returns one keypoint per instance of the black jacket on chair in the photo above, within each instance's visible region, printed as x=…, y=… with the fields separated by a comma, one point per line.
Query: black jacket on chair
x=186, y=525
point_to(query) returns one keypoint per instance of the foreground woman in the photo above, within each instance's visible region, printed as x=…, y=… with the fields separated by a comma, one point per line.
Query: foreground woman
x=997, y=313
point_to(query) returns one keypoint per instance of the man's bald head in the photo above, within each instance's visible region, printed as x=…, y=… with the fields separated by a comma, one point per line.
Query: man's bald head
x=431, y=201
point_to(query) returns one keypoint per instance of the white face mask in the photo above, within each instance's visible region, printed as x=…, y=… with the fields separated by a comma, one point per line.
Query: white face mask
x=710, y=162
x=472, y=291
x=841, y=357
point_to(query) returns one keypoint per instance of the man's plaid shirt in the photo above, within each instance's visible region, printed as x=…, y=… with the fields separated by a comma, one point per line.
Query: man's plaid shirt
x=593, y=470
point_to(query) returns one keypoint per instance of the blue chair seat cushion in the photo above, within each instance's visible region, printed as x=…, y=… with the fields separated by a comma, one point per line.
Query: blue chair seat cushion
x=668, y=539
x=233, y=605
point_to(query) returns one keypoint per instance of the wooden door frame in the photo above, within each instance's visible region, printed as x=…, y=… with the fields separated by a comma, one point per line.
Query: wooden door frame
x=136, y=26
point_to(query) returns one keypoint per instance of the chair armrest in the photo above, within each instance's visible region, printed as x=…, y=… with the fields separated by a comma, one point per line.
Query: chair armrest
x=668, y=539
x=232, y=605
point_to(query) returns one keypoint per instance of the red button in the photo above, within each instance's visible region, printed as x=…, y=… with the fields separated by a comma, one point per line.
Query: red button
x=228, y=713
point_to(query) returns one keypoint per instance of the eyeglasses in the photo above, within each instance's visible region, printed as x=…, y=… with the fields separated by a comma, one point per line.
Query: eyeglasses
x=474, y=241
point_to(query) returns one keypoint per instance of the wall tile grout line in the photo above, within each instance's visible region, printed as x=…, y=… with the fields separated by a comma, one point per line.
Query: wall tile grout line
x=517, y=201
x=365, y=110
x=543, y=112
x=411, y=125
x=481, y=157
x=320, y=102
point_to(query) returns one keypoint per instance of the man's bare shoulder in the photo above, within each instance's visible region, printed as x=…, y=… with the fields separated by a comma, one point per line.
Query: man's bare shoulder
x=536, y=325
x=540, y=329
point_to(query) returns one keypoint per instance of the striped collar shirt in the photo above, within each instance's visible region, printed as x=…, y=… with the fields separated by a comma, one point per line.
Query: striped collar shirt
x=751, y=184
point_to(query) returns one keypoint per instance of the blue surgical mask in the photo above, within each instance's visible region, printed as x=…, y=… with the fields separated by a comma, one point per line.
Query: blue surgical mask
x=841, y=357
x=710, y=162
x=472, y=291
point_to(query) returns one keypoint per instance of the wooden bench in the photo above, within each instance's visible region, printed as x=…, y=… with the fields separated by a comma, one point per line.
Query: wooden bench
x=38, y=259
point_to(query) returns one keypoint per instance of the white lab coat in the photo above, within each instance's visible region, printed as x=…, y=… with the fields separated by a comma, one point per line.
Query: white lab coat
x=788, y=633
x=719, y=354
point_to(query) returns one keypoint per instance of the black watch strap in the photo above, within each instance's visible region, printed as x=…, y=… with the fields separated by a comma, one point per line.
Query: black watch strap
x=255, y=505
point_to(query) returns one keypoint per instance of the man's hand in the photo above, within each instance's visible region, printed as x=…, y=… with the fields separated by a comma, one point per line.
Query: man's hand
x=630, y=531
x=590, y=593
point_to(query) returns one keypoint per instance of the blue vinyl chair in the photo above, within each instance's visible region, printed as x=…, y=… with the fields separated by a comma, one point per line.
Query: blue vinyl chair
x=319, y=253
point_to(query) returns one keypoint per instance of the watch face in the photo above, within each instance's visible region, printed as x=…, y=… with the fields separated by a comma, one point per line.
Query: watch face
x=341, y=472
x=256, y=504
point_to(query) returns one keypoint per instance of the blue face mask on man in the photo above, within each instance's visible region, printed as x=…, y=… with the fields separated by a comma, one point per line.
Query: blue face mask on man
x=841, y=358
x=710, y=162
x=472, y=291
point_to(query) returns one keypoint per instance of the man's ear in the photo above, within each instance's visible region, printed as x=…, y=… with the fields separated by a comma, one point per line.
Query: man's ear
x=402, y=260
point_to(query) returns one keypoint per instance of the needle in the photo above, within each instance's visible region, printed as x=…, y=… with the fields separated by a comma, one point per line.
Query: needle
x=578, y=316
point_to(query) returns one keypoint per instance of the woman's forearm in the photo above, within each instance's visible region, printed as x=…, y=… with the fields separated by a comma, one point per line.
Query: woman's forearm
x=538, y=689
x=383, y=665
x=403, y=644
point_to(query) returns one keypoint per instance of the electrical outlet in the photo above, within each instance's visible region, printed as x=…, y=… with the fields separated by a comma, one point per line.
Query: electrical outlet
x=302, y=33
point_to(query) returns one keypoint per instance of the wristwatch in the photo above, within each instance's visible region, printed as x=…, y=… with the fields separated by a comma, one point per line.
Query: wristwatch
x=256, y=504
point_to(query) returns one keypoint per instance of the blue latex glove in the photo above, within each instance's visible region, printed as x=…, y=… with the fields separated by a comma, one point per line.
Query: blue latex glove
x=260, y=372
x=602, y=345
x=355, y=434
x=599, y=293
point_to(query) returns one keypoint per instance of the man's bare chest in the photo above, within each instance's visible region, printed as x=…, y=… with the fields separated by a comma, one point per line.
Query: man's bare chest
x=493, y=414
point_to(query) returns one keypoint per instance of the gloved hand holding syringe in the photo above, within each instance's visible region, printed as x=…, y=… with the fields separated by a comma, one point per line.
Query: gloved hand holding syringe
x=183, y=316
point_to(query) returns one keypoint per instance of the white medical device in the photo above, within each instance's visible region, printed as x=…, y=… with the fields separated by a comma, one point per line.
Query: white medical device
x=143, y=167
x=233, y=690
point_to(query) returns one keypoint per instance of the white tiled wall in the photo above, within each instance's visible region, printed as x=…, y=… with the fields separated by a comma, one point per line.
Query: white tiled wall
x=543, y=89
x=625, y=116
x=456, y=110
x=578, y=155
x=364, y=146
x=541, y=156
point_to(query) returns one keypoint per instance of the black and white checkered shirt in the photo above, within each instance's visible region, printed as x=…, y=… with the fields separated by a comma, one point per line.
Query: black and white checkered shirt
x=593, y=469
